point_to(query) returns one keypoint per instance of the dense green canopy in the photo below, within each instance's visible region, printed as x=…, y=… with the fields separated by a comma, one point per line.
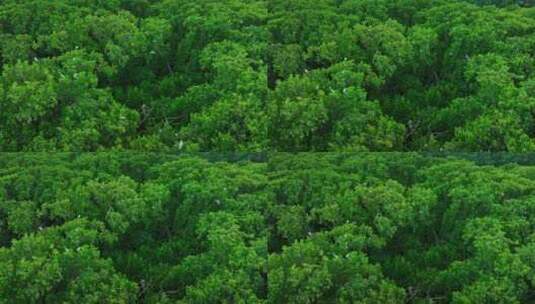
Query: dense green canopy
x=233, y=151
x=401, y=228
x=305, y=228
x=254, y=75
x=129, y=228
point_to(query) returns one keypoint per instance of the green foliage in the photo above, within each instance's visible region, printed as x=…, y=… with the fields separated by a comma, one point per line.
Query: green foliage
x=128, y=228
x=182, y=76
x=289, y=228
x=62, y=264
x=255, y=75
x=442, y=75
x=349, y=228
